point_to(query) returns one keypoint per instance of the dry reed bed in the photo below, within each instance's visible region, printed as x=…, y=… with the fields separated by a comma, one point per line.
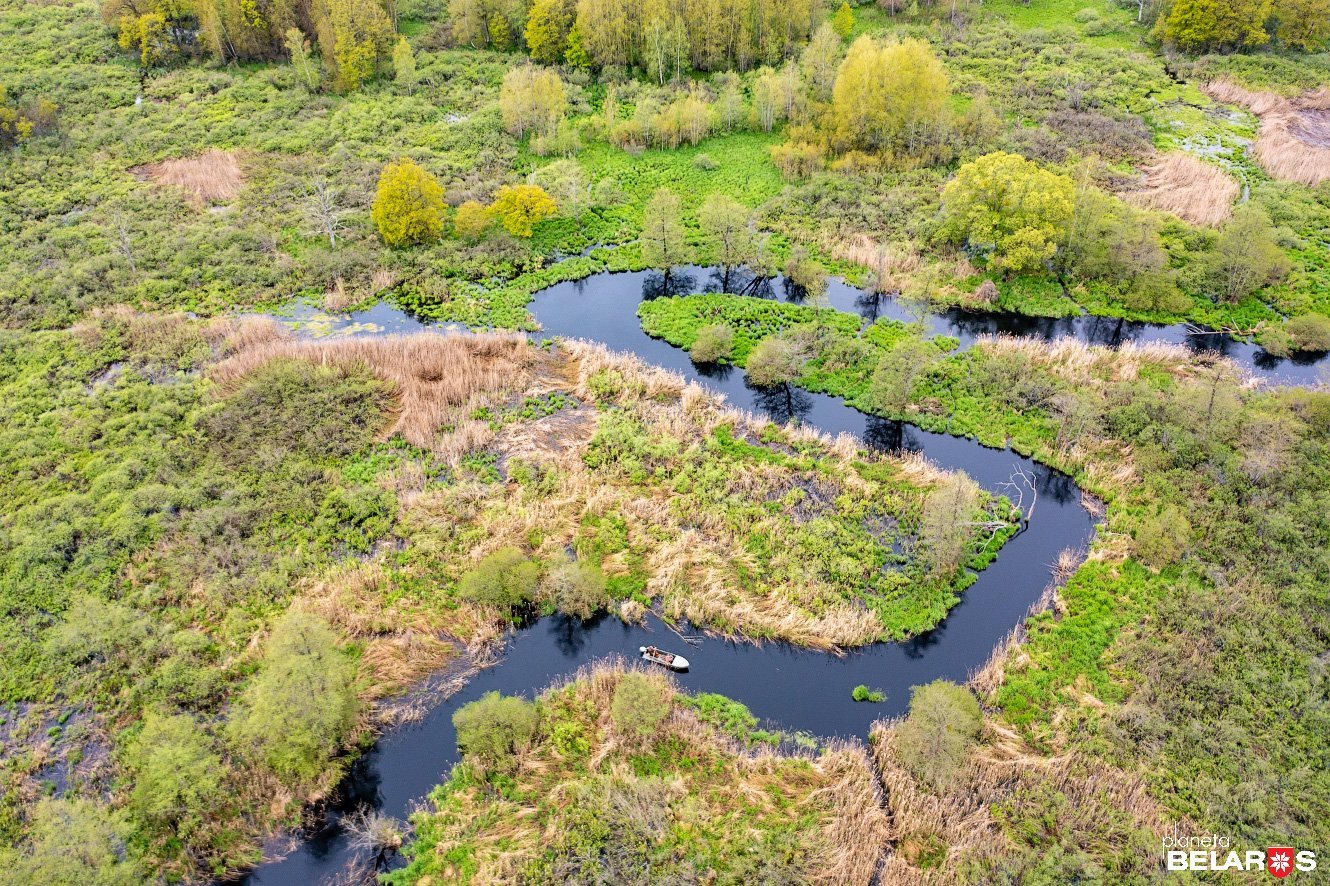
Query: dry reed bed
x=1294, y=139
x=432, y=374
x=837, y=785
x=999, y=769
x=1188, y=187
x=1081, y=364
x=692, y=560
x=209, y=178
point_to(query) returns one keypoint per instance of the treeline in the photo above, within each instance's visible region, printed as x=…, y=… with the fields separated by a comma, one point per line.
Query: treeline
x=1228, y=25
x=662, y=37
x=353, y=37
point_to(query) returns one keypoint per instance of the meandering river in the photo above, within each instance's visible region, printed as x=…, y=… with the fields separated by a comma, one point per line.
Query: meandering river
x=793, y=689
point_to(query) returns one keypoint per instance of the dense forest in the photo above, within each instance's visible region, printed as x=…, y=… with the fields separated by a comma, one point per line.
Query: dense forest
x=246, y=533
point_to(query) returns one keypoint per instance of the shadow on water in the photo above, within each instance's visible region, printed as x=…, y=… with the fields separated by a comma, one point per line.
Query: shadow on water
x=792, y=688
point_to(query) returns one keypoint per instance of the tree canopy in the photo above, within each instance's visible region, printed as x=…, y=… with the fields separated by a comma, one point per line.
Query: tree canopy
x=1008, y=208
x=408, y=204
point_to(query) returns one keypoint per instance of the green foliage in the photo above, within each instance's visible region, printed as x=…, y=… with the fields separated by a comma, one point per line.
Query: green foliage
x=843, y=21
x=506, y=580
x=1245, y=256
x=935, y=738
x=727, y=223
x=1197, y=25
x=713, y=344
x=178, y=777
x=472, y=221
x=679, y=320
x=1309, y=332
x=361, y=35
x=532, y=100
x=1006, y=206
x=404, y=65
x=639, y=705
x=896, y=373
x=316, y=411
x=863, y=693
x=774, y=361
x=408, y=204
x=299, y=709
x=576, y=588
x=493, y=728
x=547, y=29
x=889, y=96
x=73, y=841
x=521, y=207
x=662, y=241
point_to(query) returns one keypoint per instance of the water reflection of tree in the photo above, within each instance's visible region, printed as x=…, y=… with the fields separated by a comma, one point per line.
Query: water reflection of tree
x=570, y=634
x=888, y=435
x=782, y=403
x=658, y=285
x=718, y=372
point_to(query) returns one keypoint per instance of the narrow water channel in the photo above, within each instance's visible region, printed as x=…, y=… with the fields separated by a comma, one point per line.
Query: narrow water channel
x=793, y=689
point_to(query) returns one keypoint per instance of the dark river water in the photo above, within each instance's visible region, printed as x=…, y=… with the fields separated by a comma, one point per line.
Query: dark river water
x=792, y=689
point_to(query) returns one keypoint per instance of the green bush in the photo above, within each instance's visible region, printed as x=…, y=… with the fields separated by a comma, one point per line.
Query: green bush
x=713, y=344
x=576, y=588
x=935, y=738
x=506, y=580
x=775, y=361
x=639, y=706
x=494, y=727
x=296, y=713
x=1310, y=332
x=863, y=693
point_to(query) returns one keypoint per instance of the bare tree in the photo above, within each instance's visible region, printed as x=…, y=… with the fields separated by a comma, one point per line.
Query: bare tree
x=124, y=243
x=324, y=209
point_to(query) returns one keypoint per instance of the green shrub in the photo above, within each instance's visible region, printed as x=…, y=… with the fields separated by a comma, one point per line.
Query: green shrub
x=639, y=706
x=863, y=693
x=494, y=727
x=943, y=724
x=1310, y=332
x=775, y=361
x=506, y=580
x=576, y=589
x=301, y=706
x=177, y=776
x=713, y=343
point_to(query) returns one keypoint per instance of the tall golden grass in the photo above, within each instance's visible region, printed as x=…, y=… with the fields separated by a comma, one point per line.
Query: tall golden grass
x=1188, y=187
x=208, y=178
x=1001, y=768
x=432, y=374
x=1294, y=139
x=890, y=264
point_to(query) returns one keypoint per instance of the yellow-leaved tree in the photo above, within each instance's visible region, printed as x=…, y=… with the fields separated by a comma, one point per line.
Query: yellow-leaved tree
x=889, y=96
x=532, y=99
x=1010, y=208
x=408, y=205
x=520, y=207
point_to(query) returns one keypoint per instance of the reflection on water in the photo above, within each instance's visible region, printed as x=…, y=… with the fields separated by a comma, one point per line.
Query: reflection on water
x=965, y=326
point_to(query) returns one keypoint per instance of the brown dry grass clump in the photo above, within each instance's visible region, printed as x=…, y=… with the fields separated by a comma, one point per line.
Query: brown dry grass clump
x=891, y=266
x=1002, y=770
x=1294, y=141
x=1082, y=364
x=209, y=178
x=1188, y=187
x=432, y=374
